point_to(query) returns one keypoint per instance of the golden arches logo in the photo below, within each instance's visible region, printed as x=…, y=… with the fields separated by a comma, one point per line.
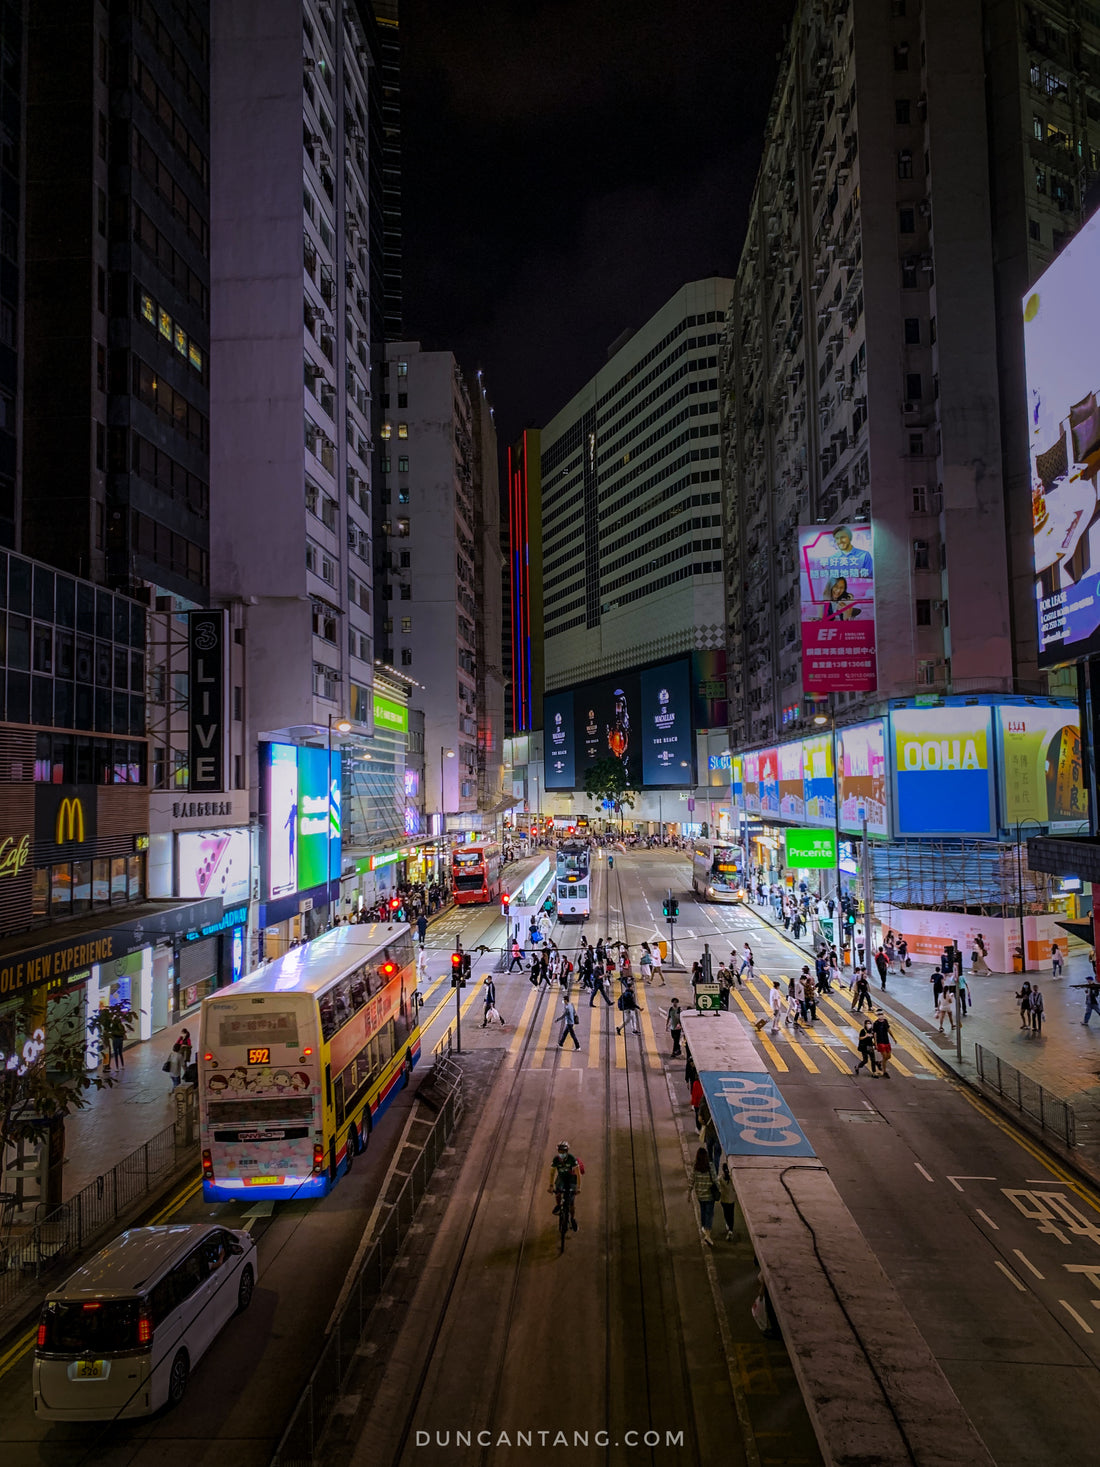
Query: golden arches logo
x=70, y=816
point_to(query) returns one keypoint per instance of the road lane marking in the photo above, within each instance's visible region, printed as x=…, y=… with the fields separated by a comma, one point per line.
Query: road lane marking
x=795, y=1046
x=1010, y=1276
x=1027, y=1262
x=955, y=1180
x=1073, y=1312
x=649, y=1037
x=543, y=1040
x=521, y=1027
x=926, y=1175
x=188, y=1191
x=763, y=1038
x=988, y=1219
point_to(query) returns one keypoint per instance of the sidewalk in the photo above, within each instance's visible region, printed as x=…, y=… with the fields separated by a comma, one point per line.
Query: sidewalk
x=1064, y=1059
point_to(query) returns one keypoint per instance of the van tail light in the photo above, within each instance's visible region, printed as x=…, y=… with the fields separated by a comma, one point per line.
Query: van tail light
x=318, y=1157
x=145, y=1327
x=207, y=1166
x=41, y=1334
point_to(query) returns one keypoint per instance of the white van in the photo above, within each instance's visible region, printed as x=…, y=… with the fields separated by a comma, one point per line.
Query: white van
x=121, y=1336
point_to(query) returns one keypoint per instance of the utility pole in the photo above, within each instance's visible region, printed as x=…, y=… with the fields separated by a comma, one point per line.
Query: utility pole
x=866, y=892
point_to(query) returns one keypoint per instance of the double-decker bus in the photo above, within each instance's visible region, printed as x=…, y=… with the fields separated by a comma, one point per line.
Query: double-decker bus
x=716, y=871
x=475, y=874
x=572, y=881
x=297, y=1062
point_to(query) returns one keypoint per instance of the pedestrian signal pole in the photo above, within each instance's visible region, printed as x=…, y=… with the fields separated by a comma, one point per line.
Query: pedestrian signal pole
x=459, y=968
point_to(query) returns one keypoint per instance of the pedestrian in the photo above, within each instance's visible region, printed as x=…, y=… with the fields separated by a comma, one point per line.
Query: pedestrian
x=868, y=1055
x=489, y=995
x=775, y=998
x=747, y=962
x=728, y=1198
x=117, y=1034
x=697, y=1100
x=186, y=1046
x=833, y=973
x=645, y=963
x=658, y=960
x=1023, y=998
x=599, y=988
x=174, y=1064
x=809, y=998
x=517, y=956
x=704, y=1184
x=882, y=965
x=568, y=1020
x=945, y=1009
x=675, y=1028
x=962, y=995
x=904, y=960
x=978, y=963
x=794, y=1004
x=862, y=992
x=1056, y=960
x=1092, y=999
x=628, y=1005
x=725, y=987
x=1036, y=1013
x=881, y=1030
x=421, y=928
x=891, y=952
x=492, y=1016
x=936, y=980
x=796, y=925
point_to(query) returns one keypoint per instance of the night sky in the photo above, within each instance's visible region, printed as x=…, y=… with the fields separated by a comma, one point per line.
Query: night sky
x=567, y=166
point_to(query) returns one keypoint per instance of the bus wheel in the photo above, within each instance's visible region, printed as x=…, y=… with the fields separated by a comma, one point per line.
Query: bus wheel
x=353, y=1145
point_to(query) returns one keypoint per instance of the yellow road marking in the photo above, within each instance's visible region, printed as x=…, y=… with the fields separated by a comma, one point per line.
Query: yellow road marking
x=823, y=1017
x=184, y=1195
x=805, y=1058
x=542, y=1043
x=521, y=1027
x=18, y=1350
x=595, y=1025
x=649, y=1035
x=769, y=1048
x=899, y=1038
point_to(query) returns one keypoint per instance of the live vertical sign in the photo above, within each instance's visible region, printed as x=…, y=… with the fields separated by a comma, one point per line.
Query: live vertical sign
x=206, y=718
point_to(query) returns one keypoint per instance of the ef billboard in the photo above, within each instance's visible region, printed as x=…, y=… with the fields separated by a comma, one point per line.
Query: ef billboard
x=837, y=590
x=943, y=771
x=1062, y=352
x=1042, y=777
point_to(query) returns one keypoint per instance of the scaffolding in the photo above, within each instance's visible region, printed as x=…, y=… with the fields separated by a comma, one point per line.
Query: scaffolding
x=981, y=877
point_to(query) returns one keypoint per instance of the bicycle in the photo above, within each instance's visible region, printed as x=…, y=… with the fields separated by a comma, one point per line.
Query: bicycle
x=565, y=1216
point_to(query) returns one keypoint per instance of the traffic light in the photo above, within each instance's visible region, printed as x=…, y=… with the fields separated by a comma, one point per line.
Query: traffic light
x=505, y=899
x=671, y=907
x=457, y=969
x=395, y=902
x=467, y=962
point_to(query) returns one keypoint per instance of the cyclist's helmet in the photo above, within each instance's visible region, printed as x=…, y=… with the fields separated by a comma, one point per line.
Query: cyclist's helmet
x=563, y=1145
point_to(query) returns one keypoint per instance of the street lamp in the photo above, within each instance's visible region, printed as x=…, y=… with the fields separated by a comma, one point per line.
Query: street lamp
x=342, y=726
x=821, y=719
x=1020, y=887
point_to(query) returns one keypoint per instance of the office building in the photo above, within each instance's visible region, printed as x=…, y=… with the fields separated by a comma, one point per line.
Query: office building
x=12, y=29
x=116, y=389
x=438, y=559
x=522, y=627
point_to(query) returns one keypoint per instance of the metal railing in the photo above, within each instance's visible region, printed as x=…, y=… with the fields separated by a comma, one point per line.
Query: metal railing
x=301, y=1442
x=27, y=1251
x=1048, y=1111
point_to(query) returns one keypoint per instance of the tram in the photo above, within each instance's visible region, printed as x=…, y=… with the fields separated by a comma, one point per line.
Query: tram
x=572, y=881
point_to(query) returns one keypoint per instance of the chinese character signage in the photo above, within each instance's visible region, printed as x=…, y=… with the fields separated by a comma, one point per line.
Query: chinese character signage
x=836, y=583
x=943, y=771
x=1062, y=352
x=1040, y=761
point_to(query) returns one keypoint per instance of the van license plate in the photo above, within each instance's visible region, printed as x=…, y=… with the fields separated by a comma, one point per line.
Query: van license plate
x=90, y=1369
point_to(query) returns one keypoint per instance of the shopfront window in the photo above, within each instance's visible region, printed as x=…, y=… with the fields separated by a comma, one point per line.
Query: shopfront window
x=101, y=883
x=61, y=889
x=40, y=893
x=119, y=882
x=82, y=887
x=136, y=876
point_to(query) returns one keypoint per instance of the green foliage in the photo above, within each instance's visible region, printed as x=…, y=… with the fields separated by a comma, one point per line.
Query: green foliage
x=44, y=1065
x=606, y=779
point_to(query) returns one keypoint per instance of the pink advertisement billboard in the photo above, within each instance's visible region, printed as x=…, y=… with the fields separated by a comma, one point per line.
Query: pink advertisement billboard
x=836, y=585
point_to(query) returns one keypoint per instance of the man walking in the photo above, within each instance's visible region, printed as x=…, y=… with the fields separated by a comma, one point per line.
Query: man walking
x=598, y=988
x=629, y=1006
x=881, y=1030
x=568, y=1018
x=675, y=1028
x=883, y=967
x=421, y=928
x=489, y=995
x=775, y=998
x=1092, y=999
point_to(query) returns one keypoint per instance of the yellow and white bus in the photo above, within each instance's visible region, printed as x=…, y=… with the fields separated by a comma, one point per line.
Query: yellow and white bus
x=297, y=1062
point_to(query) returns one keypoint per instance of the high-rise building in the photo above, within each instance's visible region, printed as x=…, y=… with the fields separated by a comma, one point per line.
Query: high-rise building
x=116, y=397
x=522, y=626
x=631, y=503
x=389, y=111
x=12, y=30
x=435, y=566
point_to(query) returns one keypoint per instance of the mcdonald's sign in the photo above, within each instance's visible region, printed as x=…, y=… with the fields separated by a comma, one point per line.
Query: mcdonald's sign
x=70, y=821
x=64, y=817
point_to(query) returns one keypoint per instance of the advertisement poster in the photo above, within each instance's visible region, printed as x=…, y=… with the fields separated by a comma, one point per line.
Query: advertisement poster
x=215, y=863
x=836, y=586
x=769, y=781
x=862, y=755
x=318, y=817
x=667, y=746
x=1042, y=777
x=792, y=801
x=737, y=781
x=751, y=778
x=708, y=676
x=818, y=787
x=1062, y=354
x=560, y=763
x=606, y=721
x=810, y=850
x=282, y=820
x=943, y=771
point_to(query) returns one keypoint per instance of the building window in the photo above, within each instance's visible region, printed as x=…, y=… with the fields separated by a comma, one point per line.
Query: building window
x=905, y=163
x=912, y=331
x=406, y=623
x=932, y=330
x=406, y=657
x=387, y=430
x=901, y=111
x=901, y=57
x=920, y=499
x=1037, y=128
x=402, y=430
x=406, y=593
x=921, y=560
x=402, y=369
x=909, y=277
x=913, y=387
x=402, y=527
x=405, y=559
x=916, y=445
x=402, y=399
x=1040, y=180
x=403, y=463
x=924, y=612
x=1034, y=231
x=907, y=221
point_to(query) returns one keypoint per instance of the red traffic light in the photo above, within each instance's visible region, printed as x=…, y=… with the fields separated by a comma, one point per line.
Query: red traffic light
x=456, y=962
x=395, y=902
x=504, y=899
x=387, y=970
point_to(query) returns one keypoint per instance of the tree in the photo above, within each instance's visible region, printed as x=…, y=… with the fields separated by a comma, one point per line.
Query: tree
x=606, y=779
x=48, y=1068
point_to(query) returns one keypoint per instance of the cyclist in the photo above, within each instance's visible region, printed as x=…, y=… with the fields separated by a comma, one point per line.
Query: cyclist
x=564, y=1180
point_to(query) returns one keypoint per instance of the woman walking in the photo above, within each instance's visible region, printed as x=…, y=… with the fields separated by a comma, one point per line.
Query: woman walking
x=704, y=1184
x=1023, y=998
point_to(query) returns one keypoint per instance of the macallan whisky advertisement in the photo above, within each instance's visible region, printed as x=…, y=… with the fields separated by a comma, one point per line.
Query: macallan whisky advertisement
x=642, y=718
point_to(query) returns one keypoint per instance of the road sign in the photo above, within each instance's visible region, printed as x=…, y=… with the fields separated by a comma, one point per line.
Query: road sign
x=708, y=998
x=691, y=804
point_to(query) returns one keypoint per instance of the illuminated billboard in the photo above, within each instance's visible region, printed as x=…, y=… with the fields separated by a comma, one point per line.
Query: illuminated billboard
x=560, y=747
x=861, y=754
x=818, y=786
x=943, y=771
x=809, y=850
x=1041, y=773
x=750, y=774
x=643, y=718
x=664, y=726
x=792, y=800
x=769, y=781
x=215, y=863
x=1062, y=353
x=737, y=780
x=837, y=594
x=302, y=818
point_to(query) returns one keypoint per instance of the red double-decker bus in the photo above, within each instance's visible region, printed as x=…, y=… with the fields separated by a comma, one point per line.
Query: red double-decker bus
x=475, y=874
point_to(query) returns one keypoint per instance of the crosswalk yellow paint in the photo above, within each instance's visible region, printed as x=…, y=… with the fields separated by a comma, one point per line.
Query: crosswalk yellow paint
x=765, y=1005
x=765, y=1040
x=649, y=1034
x=522, y=1026
x=542, y=1043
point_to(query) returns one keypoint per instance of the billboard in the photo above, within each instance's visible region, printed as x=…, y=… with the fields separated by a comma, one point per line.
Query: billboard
x=861, y=752
x=206, y=655
x=303, y=818
x=750, y=775
x=792, y=800
x=606, y=714
x=215, y=863
x=769, y=781
x=667, y=745
x=560, y=747
x=1062, y=354
x=710, y=708
x=836, y=587
x=1041, y=774
x=737, y=780
x=810, y=850
x=818, y=785
x=943, y=771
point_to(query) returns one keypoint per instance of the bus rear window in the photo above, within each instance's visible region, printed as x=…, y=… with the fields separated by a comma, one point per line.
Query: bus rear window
x=469, y=858
x=270, y=1112
x=262, y=1026
x=470, y=883
x=105, y=1327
